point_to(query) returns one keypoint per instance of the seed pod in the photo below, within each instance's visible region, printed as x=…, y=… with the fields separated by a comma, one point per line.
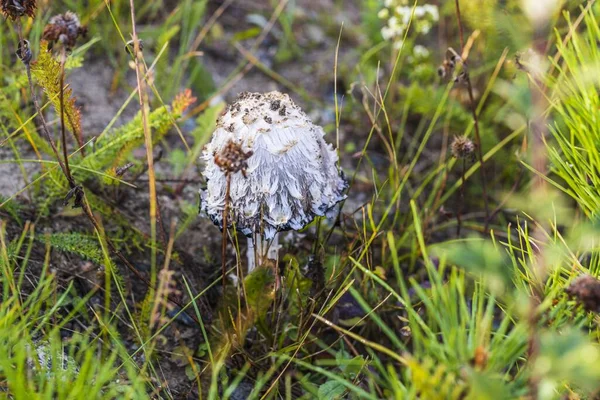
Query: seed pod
x=232, y=158
x=130, y=46
x=462, y=147
x=24, y=51
x=65, y=29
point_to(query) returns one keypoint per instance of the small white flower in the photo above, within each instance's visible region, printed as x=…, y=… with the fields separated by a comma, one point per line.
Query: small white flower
x=387, y=33
x=399, y=31
x=398, y=44
x=404, y=13
x=420, y=51
x=433, y=11
x=400, y=15
x=425, y=27
x=540, y=11
x=420, y=11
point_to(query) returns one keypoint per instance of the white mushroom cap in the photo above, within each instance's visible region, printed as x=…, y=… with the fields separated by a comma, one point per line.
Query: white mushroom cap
x=291, y=176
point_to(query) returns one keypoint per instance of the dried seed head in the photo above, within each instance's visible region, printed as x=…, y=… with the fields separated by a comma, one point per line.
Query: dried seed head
x=120, y=171
x=24, y=51
x=130, y=46
x=447, y=70
x=462, y=147
x=232, y=158
x=65, y=29
x=586, y=289
x=14, y=9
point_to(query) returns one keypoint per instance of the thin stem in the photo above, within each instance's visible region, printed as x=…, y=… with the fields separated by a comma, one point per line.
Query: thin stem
x=475, y=119
x=224, y=239
x=462, y=199
x=63, y=57
x=251, y=254
x=143, y=97
x=479, y=153
x=460, y=27
x=43, y=122
x=38, y=109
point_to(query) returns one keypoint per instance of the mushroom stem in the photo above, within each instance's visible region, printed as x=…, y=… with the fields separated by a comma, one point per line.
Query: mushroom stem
x=259, y=249
x=250, y=254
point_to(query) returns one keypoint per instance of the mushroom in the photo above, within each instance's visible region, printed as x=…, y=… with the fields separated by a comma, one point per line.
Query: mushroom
x=274, y=167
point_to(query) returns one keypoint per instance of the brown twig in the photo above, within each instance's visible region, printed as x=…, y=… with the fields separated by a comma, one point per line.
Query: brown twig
x=143, y=97
x=460, y=27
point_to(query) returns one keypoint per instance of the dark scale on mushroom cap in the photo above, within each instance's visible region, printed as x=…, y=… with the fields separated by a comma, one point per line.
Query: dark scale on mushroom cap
x=268, y=119
x=275, y=104
x=282, y=111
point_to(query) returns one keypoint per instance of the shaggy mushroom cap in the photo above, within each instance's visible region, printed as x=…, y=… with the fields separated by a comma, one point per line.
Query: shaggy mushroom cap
x=290, y=173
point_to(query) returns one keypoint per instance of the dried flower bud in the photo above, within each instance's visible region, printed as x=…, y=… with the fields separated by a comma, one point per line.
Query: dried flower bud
x=14, y=9
x=447, y=70
x=120, y=171
x=24, y=51
x=130, y=46
x=462, y=147
x=586, y=289
x=444, y=70
x=64, y=28
x=233, y=158
x=76, y=193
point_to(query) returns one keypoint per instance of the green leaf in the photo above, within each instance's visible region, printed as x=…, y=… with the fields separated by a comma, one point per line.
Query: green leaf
x=567, y=357
x=331, y=390
x=206, y=123
x=298, y=286
x=482, y=258
x=46, y=71
x=76, y=243
x=484, y=386
x=259, y=291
